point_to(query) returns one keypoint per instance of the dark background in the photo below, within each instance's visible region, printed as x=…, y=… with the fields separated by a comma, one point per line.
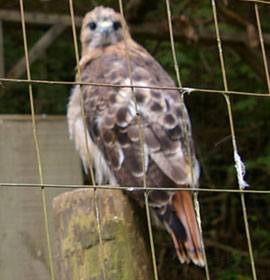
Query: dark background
x=198, y=58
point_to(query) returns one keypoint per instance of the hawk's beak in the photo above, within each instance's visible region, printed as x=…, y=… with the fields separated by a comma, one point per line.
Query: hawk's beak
x=106, y=28
x=106, y=32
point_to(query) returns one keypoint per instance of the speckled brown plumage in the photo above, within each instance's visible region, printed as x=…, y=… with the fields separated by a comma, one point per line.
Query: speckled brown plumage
x=114, y=132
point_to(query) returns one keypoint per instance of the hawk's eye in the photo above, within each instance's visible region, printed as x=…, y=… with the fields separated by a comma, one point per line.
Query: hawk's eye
x=117, y=25
x=92, y=25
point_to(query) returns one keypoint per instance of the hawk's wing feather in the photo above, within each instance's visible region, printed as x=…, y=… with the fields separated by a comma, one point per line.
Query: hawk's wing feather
x=113, y=123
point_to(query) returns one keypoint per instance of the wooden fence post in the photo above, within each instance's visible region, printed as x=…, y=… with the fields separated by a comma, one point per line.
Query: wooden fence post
x=78, y=250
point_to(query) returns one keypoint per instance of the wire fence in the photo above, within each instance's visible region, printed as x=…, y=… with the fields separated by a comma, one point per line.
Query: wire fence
x=226, y=92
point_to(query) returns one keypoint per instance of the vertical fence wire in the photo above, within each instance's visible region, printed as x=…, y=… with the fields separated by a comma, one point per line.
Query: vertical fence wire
x=195, y=197
x=36, y=142
x=90, y=162
x=2, y=60
x=234, y=144
x=148, y=216
x=262, y=45
x=229, y=109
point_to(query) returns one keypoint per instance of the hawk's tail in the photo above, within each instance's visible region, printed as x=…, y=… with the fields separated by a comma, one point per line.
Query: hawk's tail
x=181, y=223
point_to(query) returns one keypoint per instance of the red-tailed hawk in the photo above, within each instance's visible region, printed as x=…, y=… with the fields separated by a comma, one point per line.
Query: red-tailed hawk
x=113, y=130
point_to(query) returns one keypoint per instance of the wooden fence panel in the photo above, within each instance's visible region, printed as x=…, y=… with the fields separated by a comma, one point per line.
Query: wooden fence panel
x=23, y=250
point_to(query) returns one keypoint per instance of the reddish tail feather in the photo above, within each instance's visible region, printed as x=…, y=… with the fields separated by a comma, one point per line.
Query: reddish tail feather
x=188, y=244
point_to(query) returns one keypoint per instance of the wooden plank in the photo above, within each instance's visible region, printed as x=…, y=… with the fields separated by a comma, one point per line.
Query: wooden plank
x=125, y=241
x=39, y=18
x=146, y=30
x=23, y=250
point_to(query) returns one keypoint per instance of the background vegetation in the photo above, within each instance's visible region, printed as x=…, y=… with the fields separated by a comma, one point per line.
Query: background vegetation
x=226, y=245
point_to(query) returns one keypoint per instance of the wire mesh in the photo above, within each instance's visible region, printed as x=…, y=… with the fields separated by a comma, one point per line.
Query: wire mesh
x=226, y=93
x=239, y=173
x=90, y=163
x=36, y=143
x=196, y=202
x=141, y=145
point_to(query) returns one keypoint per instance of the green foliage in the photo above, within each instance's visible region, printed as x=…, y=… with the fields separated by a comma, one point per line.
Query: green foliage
x=232, y=271
x=199, y=68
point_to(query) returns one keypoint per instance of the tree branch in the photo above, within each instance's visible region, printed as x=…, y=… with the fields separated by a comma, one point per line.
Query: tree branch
x=143, y=31
x=137, y=9
x=40, y=46
x=159, y=32
x=230, y=249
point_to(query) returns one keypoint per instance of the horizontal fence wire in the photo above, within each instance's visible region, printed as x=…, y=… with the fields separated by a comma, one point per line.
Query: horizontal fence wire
x=188, y=89
x=131, y=188
x=226, y=92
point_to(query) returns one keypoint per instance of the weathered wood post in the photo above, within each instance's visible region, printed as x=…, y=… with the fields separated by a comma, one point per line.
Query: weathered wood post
x=126, y=254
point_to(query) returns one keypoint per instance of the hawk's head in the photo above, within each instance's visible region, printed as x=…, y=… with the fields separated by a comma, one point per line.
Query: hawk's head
x=101, y=27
